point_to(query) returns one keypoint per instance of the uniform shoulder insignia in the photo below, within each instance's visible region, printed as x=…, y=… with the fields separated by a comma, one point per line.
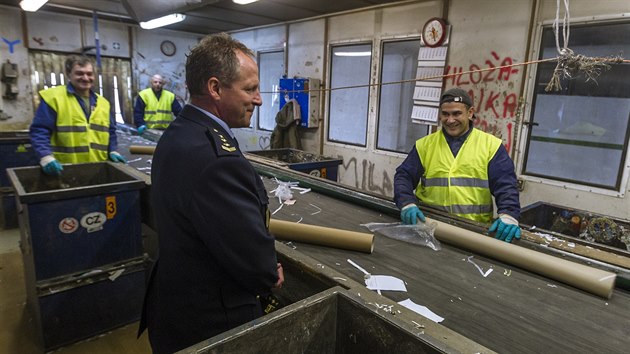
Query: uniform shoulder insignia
x=223, y=145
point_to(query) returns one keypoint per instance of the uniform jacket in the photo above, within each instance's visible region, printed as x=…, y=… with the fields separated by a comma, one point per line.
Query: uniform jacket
x=215, y=252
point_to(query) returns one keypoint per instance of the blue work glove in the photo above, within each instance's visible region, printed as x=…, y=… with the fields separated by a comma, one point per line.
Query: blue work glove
x=141, y=129
x=410, y=214
x=53, y=168
x=506, y=228
x=116, y=157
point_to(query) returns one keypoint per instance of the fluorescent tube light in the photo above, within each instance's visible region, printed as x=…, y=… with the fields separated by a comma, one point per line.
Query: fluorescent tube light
x=244, y=2
x=32, y=5
x=353, y=54
x=163, y=21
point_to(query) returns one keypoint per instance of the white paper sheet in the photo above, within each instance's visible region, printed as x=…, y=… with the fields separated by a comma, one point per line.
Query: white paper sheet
x=385, y=282
x=422, y=310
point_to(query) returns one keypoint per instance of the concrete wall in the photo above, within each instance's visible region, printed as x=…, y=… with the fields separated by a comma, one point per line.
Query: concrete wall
x=15, y=114
x=70, y=34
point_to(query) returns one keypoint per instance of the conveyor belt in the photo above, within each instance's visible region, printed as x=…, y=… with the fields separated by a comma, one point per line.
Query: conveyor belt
x=509, y=311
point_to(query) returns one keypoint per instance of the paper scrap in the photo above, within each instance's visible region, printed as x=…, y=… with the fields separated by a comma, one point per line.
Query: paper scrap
x=385, y=282
x=380, y=282
x=479, y=268
x=422, y=310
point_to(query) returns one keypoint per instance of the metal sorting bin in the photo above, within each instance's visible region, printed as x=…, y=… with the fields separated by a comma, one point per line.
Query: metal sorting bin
x=15, y=151
x=577, y=223
x=298, y=160
x=332, y=321
x=82, y=249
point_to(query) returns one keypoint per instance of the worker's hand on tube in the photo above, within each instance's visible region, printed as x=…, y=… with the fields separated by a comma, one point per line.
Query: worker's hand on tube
x=116, y=157
x=410, y=214
x=141, y=129
x=280, y=277
x=53, y=168
x=505, y=228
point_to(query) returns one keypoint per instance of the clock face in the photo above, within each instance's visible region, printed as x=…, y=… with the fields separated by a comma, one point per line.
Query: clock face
x=168, y=48
x=434, y=32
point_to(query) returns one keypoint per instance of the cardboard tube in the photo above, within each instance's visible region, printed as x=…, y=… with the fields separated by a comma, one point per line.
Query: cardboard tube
x=595, y=281
x=142, y=149
x=325, y=236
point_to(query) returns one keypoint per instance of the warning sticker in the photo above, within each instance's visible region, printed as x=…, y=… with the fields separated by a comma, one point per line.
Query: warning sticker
x=68, y=225
x=110, y=206
x=93, y=221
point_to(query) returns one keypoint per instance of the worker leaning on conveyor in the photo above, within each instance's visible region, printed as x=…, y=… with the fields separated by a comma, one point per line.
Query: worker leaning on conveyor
x=458, y=169
x=73, y=124
x=217, y=260
x=154, y=106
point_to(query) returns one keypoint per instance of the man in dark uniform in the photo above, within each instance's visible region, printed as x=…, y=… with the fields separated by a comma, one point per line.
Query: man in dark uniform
x=215, y=252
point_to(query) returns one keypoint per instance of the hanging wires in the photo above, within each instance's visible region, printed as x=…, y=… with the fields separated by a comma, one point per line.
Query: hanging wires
x=569, y=64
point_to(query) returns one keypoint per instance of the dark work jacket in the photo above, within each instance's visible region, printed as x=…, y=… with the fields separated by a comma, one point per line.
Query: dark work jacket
x=215, y=252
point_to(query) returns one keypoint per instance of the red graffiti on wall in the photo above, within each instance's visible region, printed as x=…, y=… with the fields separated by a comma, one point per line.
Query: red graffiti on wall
x=474, y=77
x=486, y=84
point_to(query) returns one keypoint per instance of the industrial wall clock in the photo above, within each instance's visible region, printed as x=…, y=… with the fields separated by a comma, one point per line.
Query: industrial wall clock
x=168, y=48
x=434, y=32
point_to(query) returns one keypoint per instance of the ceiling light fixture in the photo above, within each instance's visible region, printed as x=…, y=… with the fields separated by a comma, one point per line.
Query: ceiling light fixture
x=244, y=2
x=32, y=5
x=163, y=21
x=353, y=54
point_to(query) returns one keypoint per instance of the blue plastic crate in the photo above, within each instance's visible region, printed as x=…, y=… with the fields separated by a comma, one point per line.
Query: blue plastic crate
x=71, y=309
x=302, y=161
x=15, y=151
x=88, y=217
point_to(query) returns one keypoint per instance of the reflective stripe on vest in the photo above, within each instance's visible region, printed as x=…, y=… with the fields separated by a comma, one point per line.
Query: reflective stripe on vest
x=74, y=140
x=457, y=185
x=157, y=113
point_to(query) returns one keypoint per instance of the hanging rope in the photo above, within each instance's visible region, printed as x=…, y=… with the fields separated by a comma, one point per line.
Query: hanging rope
x=570, y=65
x=565, y=27
x=598, y=62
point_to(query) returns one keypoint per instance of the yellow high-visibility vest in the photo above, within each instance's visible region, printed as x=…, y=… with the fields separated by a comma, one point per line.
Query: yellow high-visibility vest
x=157, y=113
x=458, y=185
x=75, y=140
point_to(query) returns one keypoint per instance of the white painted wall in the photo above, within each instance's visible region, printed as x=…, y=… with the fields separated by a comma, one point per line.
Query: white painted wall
x=16, y=114
x=69, y=34
x=484, y=33
x=367, y=168
x=148, y=59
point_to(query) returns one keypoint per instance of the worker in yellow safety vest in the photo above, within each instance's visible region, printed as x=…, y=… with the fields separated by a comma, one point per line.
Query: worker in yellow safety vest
x=73, y=124
x=458, y=169
x=155, y=106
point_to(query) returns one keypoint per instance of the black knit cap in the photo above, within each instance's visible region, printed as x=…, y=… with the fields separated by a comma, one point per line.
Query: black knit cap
x=456, y=95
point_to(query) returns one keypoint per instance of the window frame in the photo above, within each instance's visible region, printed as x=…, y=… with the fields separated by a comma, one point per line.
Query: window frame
x=331, y=47
x=382, y=43
x=623, y=170
x=255, y=124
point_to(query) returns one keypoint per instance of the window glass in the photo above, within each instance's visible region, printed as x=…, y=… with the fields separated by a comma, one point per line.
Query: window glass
x=580, y=133
x=350, y=66
x=396, y=131
x=271, y=69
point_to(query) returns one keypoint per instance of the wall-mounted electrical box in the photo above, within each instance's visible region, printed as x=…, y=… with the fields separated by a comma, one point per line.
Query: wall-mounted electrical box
x=306, y=91
x=8, y=76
